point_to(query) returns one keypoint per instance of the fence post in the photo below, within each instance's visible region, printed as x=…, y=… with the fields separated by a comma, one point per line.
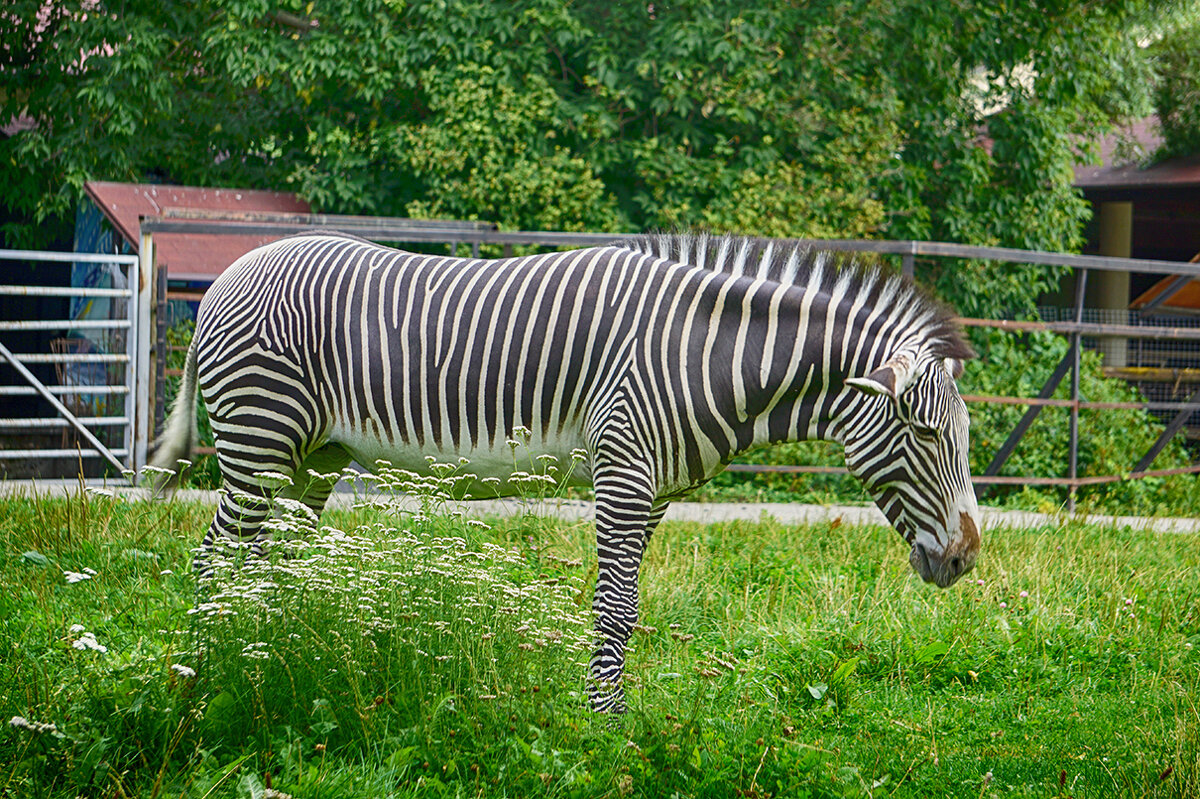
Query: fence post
x=1076, y=346
x=141, y=398
x=160, y=351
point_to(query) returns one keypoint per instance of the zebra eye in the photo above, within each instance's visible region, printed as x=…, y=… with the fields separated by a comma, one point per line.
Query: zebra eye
x=925, y=433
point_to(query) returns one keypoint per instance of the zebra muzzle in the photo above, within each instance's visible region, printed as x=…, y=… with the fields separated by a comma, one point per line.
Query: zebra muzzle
x=946, y=568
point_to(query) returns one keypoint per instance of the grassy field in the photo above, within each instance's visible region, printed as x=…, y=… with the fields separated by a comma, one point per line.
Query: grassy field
x=429, y=656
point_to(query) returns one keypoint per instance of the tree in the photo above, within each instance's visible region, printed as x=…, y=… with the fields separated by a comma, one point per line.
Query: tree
x=884, y=118
x=1177, y=91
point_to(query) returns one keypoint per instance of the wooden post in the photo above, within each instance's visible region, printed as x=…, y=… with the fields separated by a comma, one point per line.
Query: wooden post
x=1076, y=345
x=1110, y=290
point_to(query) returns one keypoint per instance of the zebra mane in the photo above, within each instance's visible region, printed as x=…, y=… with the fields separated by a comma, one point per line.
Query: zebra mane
x=794, y=264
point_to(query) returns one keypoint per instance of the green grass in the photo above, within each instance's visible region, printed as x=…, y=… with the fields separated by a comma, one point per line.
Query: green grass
x=431, y=657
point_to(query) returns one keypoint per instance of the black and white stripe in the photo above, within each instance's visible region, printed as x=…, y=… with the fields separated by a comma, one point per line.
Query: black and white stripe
x=663, y=358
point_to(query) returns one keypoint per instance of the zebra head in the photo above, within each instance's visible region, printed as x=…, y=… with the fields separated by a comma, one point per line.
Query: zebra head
x=907, y=442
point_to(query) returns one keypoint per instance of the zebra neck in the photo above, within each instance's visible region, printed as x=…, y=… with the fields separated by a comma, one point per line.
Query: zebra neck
x=809, y=341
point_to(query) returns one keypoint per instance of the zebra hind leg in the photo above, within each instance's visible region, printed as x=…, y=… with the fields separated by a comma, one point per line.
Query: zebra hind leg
x=624, y=506
x=239, y=519
x=315, y=478
x=247, y=500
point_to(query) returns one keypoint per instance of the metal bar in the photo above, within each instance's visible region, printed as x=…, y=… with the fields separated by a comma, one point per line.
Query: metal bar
x=162, y=224
x=1092, y=329
x=69, y=257
x=323, y=220
x=1076, y=348
x=1018, y=432
x=71, y=357
x=185, y=296
x=58, y=406
x=60, y=390
x=14, y=454
x=61, y=291
x=1065, y=482
x=1102, y=263
x=138, y=376
x=160, y=352
x=1170, y=291
x=1083, y=405
x=45, y=422
x=1169, y=432
x=66, y=324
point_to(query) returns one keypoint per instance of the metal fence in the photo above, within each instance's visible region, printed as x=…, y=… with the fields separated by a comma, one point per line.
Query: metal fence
x=475, y=237
x=75, y=397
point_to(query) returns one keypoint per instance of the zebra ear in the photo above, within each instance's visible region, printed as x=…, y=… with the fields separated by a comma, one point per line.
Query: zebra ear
x=881, y=381
x=890, y=379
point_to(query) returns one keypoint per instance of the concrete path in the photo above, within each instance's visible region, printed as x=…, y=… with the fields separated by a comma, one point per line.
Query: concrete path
x=705, y=512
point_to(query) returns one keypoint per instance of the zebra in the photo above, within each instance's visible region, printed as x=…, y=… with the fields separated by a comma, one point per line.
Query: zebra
x=662, y=357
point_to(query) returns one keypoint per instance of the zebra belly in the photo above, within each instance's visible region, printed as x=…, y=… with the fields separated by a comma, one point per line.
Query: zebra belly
x=493, y=467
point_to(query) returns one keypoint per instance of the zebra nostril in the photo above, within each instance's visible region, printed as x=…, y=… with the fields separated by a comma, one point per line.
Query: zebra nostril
x=956, y=566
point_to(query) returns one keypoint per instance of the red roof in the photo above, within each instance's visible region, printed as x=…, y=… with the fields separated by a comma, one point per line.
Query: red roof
x=187, y=256
x=1112, y=173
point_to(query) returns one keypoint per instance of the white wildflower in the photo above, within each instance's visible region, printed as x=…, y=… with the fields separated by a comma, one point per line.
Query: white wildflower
x=273, y=479
x=88, y=641
x=22, y=723
x=76, y=577
x=183, y=671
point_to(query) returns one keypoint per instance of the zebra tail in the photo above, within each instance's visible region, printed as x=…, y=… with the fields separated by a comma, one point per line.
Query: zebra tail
x=178, y=440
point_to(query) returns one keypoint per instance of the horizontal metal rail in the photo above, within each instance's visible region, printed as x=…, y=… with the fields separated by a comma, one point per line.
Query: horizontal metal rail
x=1065, y=482
x=71, y=357
x=1092, y=329
x=62, y=291
x=18, y=454
x=24, y=391
x=325, y=220
x=1081, y=404
x=403, y=230
x=66, y=324
x=38, y=423
x=382, y=232
x=68, y=257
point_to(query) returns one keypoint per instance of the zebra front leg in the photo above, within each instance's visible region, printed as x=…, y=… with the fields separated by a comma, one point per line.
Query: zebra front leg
x=624, y=507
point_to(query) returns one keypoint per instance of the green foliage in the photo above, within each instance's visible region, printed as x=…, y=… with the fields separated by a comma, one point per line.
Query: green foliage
x=1177, y=91
x=903, y=119
x=794, y=661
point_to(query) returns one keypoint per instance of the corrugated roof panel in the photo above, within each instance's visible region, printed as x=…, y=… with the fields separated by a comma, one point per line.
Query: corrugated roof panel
x=187, y=256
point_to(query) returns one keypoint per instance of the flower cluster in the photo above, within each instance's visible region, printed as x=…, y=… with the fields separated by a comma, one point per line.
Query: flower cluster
x=86, y=640
x=78, y=577
x=22, y=723
x=419, y=585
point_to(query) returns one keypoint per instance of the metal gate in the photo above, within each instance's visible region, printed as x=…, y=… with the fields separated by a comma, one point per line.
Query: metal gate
x=79, y=378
